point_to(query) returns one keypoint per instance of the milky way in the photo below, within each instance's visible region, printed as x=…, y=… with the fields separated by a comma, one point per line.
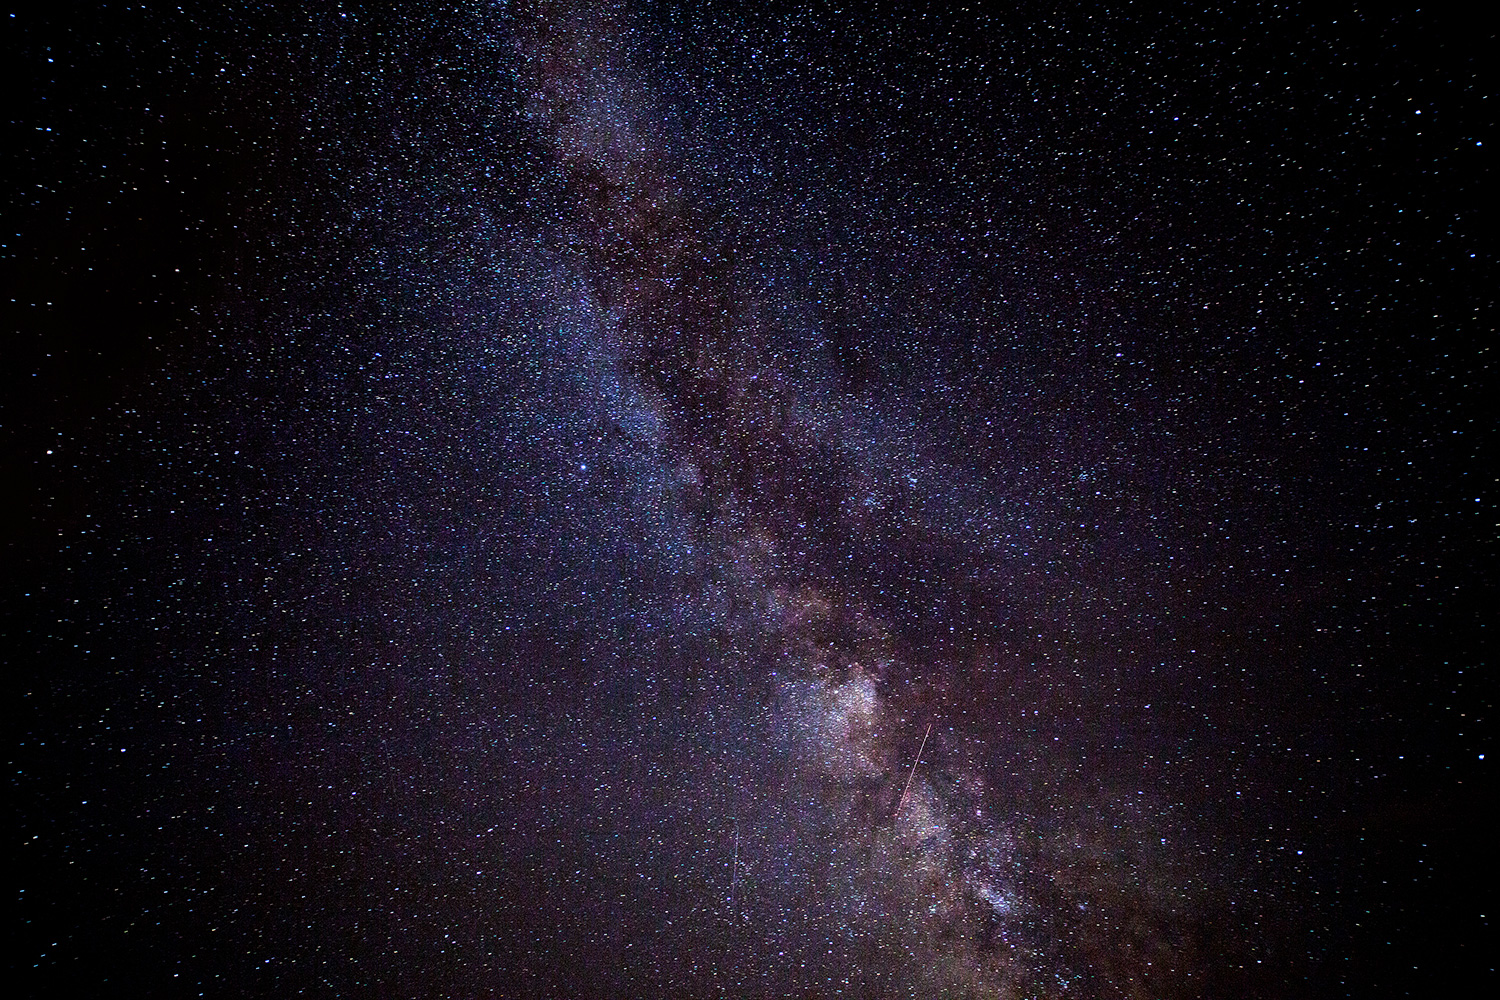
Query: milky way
x=579, y=501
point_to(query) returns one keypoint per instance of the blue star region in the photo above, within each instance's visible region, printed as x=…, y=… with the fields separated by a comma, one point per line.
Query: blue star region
x=567, y=500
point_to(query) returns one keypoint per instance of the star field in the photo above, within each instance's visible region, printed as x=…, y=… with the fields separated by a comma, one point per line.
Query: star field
x=593, y=500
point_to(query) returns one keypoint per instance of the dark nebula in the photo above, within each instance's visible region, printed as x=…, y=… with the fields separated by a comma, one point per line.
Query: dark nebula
x=747, y=500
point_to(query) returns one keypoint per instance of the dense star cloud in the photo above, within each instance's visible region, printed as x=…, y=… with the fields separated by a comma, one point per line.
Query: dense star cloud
x=601, y=500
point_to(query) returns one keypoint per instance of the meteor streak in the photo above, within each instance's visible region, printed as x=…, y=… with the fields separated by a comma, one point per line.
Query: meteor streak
x=913, y=770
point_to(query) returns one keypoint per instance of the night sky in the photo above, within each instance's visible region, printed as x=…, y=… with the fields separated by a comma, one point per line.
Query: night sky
x=747, y=500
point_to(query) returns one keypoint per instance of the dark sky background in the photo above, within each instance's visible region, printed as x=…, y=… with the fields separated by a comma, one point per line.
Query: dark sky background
x=567, y=500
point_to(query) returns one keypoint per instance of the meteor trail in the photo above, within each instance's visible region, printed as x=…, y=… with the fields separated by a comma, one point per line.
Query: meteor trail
x=913, y=770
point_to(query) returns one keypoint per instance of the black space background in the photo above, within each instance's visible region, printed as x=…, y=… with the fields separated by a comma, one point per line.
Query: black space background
x=166, y=212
